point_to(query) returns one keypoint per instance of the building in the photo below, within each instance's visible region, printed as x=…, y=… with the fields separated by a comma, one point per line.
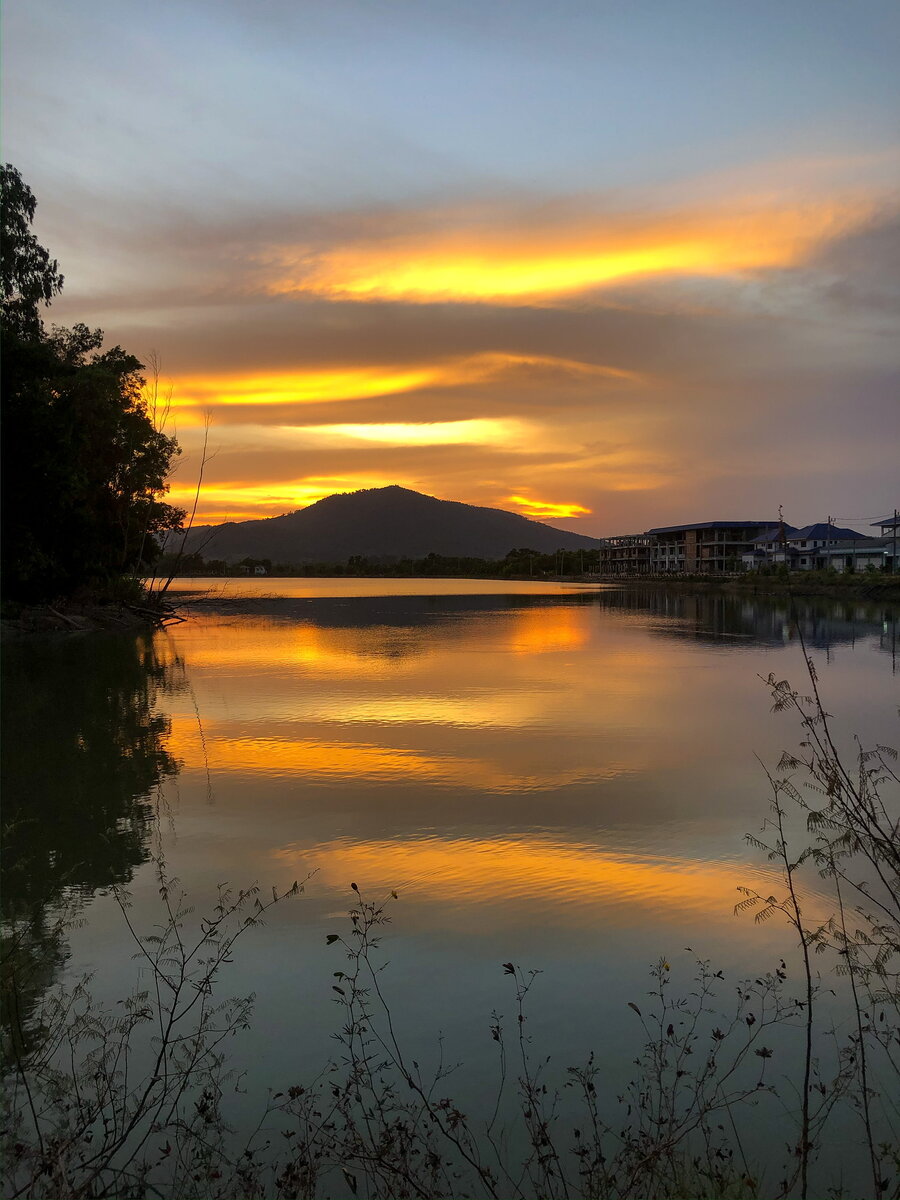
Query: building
x=723, y=547
x=625, y=554
x=864, y=554
x=813, y=543
x=711, y=547
x=770, y=548
x=824, y=546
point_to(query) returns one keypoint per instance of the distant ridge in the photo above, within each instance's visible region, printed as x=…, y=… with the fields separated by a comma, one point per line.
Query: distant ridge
x=385, y=523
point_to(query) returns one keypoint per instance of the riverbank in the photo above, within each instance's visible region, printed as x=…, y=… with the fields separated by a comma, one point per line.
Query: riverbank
x=871, y=588
x=81, y=616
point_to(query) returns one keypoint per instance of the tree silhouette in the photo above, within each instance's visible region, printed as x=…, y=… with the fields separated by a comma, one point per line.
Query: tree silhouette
x=84, y=468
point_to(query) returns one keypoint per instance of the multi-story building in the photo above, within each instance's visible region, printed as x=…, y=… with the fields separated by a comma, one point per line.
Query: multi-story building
x=722, y=547
x=626, y=554
x=706, y=546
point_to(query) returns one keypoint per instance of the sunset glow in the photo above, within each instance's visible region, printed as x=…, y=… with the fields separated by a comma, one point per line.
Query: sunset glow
x=531, y=264
x=433, y=428
x=238, y=502
x=579, y=269
x=544, y=510
x=339, y=383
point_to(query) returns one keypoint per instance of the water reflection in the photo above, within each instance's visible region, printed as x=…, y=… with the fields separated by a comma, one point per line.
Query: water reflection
x=548, y=763
x=85, y=747
x=824, y=623
x=397, y=689
x=570, y=883
x=590, y=754
x=771, y=620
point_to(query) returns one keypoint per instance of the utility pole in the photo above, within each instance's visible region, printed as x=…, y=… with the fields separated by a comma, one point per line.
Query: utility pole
x=782, y=532
x=894, y=546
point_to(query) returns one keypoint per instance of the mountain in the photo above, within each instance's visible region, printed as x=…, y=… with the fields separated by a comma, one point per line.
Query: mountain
x=389, y=522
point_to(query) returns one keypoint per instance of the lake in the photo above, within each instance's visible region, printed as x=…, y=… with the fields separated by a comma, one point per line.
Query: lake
x=556, y=776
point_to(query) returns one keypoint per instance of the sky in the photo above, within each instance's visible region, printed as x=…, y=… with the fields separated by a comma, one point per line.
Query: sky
x=610, y=265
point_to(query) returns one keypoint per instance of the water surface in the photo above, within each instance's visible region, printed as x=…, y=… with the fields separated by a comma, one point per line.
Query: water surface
x=557, y=776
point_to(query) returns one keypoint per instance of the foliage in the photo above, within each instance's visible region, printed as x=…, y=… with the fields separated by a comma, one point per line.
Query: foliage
x=28, y=275
x=82, y=1120
x=84, y=468
x=134, y=1101
x=854, y=833
x=78, y=1123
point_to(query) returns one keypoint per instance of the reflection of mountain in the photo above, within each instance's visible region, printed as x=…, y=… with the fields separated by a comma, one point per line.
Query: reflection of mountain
x=713, y=617
x=83, y=750
x=389, y=522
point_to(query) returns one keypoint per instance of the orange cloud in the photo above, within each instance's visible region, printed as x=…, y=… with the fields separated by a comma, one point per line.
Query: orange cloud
x=545, y=509
x=252, y=502
x=315, y=385
x=521, y=265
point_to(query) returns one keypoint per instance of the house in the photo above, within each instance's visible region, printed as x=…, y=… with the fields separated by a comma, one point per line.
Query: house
x=823, y=546
x=706, y=546
x=813, y=543
x=889, y=526
x=861, y=555
x=770, y=548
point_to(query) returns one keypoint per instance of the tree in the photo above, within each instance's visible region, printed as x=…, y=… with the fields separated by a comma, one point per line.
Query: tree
x=28, y=274
x=84, y=467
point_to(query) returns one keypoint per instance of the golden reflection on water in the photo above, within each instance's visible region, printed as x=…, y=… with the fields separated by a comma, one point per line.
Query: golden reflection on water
x=531, y=871
x=533, y=633
x=343, y=650
x=540, y=869
x=500, y=701
x=559, y=761
x=350, y=762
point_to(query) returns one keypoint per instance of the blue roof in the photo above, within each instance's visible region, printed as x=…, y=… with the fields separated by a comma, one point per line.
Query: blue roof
x=716, y=525
x=825, y=532
x=774, y=535
x=890, y=522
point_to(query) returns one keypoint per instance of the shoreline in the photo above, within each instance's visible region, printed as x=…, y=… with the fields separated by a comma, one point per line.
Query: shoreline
x=92, y=617
x=870, y=589
x=78, y=617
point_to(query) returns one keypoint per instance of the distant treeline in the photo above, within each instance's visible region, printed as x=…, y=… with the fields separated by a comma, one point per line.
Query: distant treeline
x=516, y=564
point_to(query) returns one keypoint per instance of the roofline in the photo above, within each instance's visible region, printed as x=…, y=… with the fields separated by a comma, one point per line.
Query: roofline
x=716, y=525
